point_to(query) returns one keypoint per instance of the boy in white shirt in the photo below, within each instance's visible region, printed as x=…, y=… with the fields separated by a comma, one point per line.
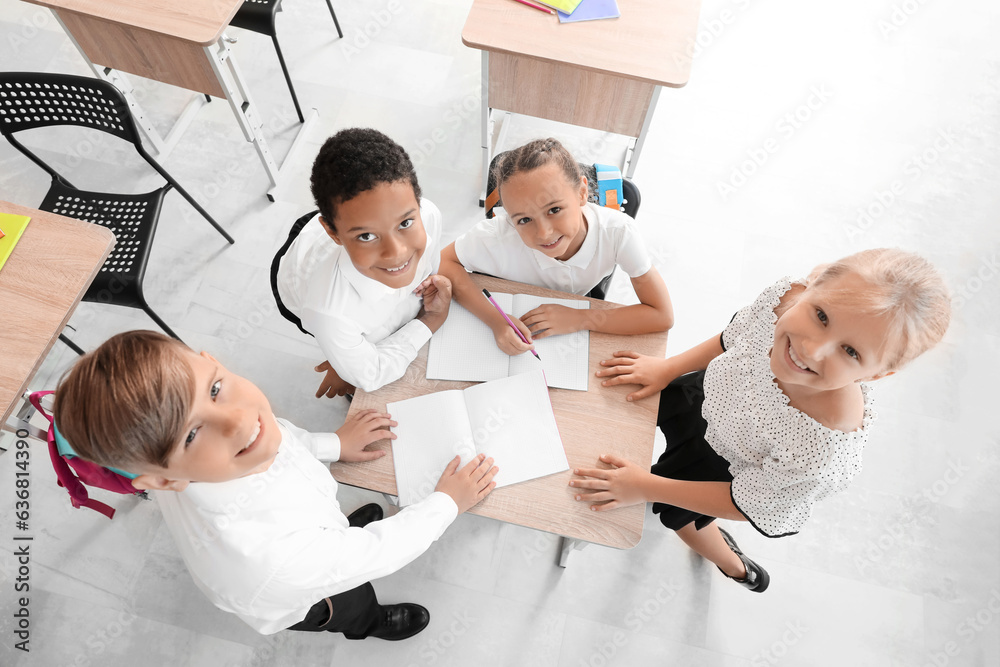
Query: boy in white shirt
x=361, y=275
x=253, y=511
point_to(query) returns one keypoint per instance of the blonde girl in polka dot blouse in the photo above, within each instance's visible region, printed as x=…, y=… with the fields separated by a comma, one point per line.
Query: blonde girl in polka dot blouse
x=773, y=415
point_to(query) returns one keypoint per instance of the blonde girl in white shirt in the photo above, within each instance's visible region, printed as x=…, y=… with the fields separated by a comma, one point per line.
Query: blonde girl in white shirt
x=550, y=236
x=772, y=416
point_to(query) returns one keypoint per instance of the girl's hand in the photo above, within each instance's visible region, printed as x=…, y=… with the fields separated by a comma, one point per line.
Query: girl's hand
x=652, y=373
x=551, y=319
x=508, y=341
x=362, y=429
x=618, y=487
x=332, y=384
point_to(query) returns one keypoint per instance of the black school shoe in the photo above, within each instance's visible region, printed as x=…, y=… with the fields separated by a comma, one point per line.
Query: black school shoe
x=364, y=515
x=401, y=621
x=757, y=577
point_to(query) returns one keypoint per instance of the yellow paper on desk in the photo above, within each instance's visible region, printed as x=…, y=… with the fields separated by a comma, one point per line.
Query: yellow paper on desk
x=12, y=226
x=565, y=6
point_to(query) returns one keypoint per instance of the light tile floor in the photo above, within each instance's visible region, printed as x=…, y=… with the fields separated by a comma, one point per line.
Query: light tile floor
x=781, y=153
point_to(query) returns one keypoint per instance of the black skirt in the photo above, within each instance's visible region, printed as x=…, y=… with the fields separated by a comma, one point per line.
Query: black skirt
x=688, y=455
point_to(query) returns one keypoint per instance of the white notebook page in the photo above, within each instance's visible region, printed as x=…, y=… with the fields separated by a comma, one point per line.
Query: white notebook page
x=565, y=358
x=512, y=421
x=464, y=349
x=432, y=429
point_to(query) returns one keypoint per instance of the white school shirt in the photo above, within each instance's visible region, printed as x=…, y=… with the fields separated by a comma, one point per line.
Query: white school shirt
x=781, y=459
x=494, y=247
x=366, y=329
x=268, y=546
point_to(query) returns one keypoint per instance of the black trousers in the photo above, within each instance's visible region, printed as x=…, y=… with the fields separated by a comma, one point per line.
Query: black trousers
x=356, y=613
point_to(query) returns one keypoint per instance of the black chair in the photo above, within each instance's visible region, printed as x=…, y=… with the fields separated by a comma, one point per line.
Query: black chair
x=629, y=205
x=30, y=100
x=276, y=262
x=258, y=16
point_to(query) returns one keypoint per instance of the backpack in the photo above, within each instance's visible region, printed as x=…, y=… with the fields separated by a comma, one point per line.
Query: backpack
x=76, y=474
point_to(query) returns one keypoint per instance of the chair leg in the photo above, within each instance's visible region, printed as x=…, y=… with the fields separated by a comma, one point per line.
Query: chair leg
x=156, y=318
x=288, y=79
x=335, y=21
x=71, y=345
x=184, y=193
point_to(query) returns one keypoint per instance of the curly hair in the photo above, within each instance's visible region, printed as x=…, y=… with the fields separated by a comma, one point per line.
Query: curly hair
x=354, y=161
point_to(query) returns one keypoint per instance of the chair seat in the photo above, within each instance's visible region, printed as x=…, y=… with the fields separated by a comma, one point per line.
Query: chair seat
x=131, y=218
x=257, y=15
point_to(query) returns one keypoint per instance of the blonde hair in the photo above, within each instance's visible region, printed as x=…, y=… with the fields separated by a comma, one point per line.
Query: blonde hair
x=905, y=287
x=126, y=403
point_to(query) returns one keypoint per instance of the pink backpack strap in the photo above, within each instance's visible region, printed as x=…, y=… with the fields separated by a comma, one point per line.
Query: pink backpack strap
x=77, y=491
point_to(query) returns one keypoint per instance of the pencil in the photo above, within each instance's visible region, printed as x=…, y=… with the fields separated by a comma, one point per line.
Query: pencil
x=539, y=8
x=512, y=325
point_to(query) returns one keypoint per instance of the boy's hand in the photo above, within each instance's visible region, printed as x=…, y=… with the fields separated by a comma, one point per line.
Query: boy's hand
x=551, y=319
x=362, y=429
x=652, y=373
x=436, y=293
x=332, y=385
x=508, y=341
x=470, y=484
x=619, y=487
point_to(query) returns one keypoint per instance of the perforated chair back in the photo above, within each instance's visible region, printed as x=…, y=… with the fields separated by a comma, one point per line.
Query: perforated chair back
x=132, y=219
x=29, y=100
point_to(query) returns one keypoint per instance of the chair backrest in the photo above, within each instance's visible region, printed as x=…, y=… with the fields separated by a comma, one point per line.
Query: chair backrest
x=629, y=194
x=31, y=99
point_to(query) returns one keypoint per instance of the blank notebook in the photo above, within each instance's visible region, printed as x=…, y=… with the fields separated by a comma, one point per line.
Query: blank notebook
x=509, y=419
x=464, y=349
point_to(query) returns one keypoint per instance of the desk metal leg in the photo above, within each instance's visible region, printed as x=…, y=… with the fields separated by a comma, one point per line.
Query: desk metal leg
x=567, y=545
x=160, y=145
x=20, y=423
x=632, y=156
x=246, y=113
x=487, y=132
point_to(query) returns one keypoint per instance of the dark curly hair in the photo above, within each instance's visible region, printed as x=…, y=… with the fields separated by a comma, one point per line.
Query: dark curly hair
x=354, y=161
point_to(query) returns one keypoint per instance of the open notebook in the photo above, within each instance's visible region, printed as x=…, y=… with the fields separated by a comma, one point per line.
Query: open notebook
x=464, y=349
x=509, y=419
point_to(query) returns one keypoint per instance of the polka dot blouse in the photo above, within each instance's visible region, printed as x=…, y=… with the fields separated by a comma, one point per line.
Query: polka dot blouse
x=781, y=459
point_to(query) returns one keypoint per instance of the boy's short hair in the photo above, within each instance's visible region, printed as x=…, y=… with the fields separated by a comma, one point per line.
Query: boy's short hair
x=904, y=287
x=125, y=404
x=353, y=161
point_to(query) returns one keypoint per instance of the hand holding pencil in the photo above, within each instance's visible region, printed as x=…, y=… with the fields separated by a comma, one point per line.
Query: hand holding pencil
x=513, y=337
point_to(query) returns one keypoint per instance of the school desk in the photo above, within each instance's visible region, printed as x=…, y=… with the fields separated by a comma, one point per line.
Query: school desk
x=590, y=423
x=180, y=42
x=605, y=75
x=41, y=284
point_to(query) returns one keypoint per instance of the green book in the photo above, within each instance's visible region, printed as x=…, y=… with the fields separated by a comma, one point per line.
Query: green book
x=12, y=226
x=565, y=6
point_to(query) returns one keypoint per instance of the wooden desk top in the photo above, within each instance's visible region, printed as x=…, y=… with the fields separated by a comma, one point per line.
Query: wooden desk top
x=41, y=284
x=198, y=21
x=653, y=40
x=590, y=423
